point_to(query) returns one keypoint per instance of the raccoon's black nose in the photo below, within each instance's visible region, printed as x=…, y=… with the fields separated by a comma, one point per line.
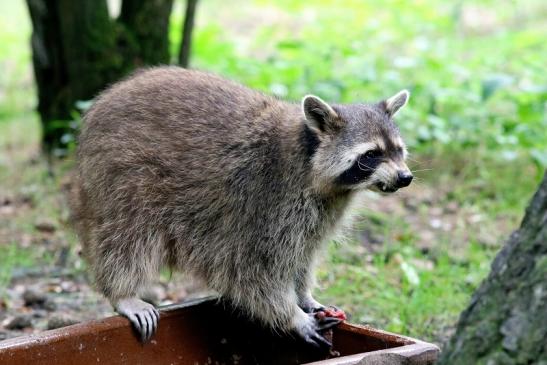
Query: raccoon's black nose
x=404, y=178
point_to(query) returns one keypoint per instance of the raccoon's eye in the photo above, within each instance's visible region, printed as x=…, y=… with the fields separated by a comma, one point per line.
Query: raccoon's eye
x=373, y=154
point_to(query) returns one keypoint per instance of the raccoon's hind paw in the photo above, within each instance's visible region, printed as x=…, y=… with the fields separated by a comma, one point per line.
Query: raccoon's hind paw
x=144, y=316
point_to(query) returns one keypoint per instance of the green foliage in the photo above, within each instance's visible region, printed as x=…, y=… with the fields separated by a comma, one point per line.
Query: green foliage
x=14, y=61
x=474, y=84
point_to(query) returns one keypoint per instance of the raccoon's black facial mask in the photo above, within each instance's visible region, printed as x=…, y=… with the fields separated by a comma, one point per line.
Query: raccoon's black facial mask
x=363, y=167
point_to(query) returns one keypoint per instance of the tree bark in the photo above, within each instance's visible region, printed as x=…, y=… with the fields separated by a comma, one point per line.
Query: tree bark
x=78, y=50
x=506, y=321
x=147, y=22
x=186, y=43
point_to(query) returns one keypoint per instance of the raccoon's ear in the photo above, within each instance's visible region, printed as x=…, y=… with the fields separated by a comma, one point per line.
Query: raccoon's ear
x=319, y=114
x=396, y=102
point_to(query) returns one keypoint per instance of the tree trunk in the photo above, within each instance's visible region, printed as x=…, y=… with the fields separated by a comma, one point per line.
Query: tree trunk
x=78, y=50
x=147, y=22
x=186, y=44
x=506, y=321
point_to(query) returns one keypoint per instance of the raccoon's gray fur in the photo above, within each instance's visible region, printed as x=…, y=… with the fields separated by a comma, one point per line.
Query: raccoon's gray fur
x=188, y=170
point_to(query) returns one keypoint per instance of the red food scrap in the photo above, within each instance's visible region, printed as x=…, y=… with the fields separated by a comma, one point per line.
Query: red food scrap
x=336, y=313
x=331, y=312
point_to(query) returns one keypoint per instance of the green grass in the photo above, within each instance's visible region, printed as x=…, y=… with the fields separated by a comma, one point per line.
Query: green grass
x=400, y=288
x=475, y=125
x=13, y=256
x=25, y=182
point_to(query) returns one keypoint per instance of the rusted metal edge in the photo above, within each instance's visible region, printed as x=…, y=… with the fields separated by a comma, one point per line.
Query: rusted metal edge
x=403, y=350
x=374, y=332
x=101, y=325
x=411, y=351
x=413, y=354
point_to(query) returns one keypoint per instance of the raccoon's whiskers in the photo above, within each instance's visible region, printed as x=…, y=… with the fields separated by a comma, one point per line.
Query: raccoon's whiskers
x=413, y=160
x=413, y=171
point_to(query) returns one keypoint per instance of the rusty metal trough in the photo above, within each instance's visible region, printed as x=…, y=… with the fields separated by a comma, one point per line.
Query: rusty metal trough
x=205, y=331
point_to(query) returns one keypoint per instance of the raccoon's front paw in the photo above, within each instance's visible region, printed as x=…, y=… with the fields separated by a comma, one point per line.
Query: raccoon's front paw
x=144, y=316
x=311, y=329
x=310, y=305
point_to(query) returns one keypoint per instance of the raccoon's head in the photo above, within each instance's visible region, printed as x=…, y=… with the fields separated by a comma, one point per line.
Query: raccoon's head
x=357, y=146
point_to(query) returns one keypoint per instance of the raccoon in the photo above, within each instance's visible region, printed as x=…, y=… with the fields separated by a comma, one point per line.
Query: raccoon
x=191, y=171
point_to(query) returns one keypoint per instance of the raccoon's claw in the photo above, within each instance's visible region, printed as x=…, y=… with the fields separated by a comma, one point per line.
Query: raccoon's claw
x=318, y=341
x=327, y=323
x=312, y=331
x=144, y=316
x=148, y=321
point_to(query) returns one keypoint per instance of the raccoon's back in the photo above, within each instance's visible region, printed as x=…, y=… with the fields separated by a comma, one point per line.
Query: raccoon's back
x=168, y=137
x=169, y=114
x=170, y=106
